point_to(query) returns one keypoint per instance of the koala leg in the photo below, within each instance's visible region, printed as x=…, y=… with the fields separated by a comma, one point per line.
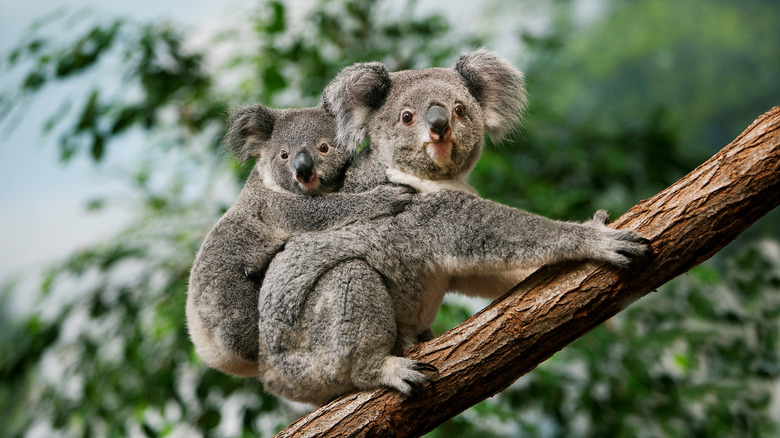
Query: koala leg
x=369, y=332
x=213, y=352
x=345, y=341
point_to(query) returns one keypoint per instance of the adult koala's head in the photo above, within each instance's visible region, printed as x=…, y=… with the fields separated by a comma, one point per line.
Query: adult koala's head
x=429, y=123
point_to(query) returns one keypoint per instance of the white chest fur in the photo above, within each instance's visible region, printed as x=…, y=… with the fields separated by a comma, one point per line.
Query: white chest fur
x=426, y=185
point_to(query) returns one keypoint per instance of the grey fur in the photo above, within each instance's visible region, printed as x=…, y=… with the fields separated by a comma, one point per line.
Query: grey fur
x=337, y=308
x=273, y=205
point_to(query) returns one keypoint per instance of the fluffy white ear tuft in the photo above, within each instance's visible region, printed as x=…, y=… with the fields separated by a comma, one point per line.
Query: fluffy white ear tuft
x=351, y=97
x=249, y=129
x=499, y=88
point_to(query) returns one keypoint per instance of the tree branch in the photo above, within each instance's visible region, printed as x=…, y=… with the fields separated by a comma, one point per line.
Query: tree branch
x=687, y=223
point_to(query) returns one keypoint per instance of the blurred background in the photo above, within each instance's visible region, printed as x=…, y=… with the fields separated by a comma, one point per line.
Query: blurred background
x=111, y=116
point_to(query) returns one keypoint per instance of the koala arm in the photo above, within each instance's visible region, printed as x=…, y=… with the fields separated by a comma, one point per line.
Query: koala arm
x=475, y=236
x=301, y=213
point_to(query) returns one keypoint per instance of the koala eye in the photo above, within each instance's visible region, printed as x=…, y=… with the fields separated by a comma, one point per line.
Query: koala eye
x=407, y=117
x=323, y=148
x=459, y=110
x=284, y=155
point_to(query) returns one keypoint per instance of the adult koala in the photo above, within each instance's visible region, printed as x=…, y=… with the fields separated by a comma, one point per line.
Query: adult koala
x=338, y=307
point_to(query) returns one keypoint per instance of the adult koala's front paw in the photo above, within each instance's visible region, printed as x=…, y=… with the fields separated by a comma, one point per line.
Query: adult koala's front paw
x=390, y=199
x=613, y=246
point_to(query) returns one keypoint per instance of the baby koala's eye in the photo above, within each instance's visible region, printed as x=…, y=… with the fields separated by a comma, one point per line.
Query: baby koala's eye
x=284, y=155
x=323, y=148
x=407, y=117
x=459, y=110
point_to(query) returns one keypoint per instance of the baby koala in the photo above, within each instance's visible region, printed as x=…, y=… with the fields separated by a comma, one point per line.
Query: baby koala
x=288, y=192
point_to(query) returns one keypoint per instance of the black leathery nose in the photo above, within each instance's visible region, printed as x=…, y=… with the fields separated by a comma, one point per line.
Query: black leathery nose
x=304, y=165
x=438, y=119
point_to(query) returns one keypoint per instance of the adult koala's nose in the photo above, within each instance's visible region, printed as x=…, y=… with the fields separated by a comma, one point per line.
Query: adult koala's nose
x=438, y=120
x=304, y=166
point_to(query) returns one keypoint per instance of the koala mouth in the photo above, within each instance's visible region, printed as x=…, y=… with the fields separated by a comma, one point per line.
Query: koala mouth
x=440, y=152
x=311, y=184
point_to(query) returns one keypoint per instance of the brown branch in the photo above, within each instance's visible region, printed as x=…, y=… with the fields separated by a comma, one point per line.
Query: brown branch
x=687, y=223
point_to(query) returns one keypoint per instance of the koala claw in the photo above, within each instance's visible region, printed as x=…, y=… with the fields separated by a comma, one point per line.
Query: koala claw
x=424, y=366
x=626, y=244
x=251, y=272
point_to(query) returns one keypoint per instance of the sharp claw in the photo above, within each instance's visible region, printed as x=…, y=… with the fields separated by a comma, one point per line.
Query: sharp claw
x=414, y=388
x=423, y=366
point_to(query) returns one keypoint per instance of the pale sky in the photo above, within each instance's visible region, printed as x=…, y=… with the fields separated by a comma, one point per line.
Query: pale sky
x=42, y=216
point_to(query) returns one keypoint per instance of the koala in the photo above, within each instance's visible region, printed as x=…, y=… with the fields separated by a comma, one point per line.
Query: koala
x=338, y=308
x=298, y=165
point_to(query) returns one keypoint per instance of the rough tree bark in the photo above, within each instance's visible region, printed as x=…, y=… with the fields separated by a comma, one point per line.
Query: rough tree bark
x=687, y=223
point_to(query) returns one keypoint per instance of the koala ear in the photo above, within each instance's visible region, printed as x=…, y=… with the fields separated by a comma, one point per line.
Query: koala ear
x=249, y=128
x=351, y=96
x=498, y=87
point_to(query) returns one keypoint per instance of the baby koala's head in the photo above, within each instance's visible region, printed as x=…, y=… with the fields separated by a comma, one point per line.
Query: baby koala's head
x=295, y=148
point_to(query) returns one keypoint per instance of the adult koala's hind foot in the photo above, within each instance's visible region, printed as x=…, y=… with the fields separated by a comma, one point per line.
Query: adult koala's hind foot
x=405, y=375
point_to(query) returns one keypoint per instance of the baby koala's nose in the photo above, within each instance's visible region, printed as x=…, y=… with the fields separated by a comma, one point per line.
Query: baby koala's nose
x=304, y=166
x=439, y=121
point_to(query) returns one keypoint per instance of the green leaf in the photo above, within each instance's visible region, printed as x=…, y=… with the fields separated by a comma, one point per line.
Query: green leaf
x=96, y=204
x=89, y=115
x=98, y=147
x=127, y=116
x=278, y=22
x=273, y=80
x=34, y=81
x=87, y=50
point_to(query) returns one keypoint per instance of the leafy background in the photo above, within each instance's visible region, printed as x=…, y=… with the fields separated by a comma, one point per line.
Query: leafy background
x=626, y=97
